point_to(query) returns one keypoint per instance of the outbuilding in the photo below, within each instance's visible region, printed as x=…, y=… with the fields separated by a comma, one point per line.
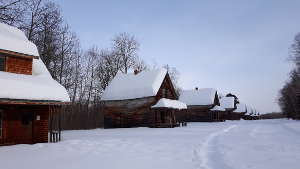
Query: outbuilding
x=30, y=100
x=141, y=99
x=199, y=102
x=229, y=104
x=238, y=113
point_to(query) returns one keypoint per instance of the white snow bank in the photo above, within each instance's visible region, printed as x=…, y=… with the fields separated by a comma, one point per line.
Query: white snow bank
x=269, y=144
x=131, y=86
x=217, y=108
x=174, y=104
x=205, y=96
x=240, y=108
x=13, y=39
x=227, y=102
x=38, y=86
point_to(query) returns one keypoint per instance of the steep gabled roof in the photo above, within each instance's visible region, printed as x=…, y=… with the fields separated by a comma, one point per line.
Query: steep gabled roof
x=227, y=102
x=14, y=40
x=40, y=86
x=200, y=97
x=133, y=86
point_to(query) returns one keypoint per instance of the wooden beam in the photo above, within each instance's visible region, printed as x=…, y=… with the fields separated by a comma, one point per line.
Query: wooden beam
x=17, y=54
x=31, y=102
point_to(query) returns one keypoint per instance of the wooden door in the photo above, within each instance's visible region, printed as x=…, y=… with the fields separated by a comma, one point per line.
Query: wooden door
x=27, y=127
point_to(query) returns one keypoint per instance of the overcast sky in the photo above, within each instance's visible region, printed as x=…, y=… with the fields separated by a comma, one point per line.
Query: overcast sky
x=237, y=46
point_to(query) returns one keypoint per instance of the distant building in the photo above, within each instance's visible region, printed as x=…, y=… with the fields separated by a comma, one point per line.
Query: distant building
x=238, y=113
x=28, y=96
x=140, y=99
x=229, y=105
x=199, y=102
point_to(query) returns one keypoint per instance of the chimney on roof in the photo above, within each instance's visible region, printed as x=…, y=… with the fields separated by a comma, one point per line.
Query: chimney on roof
x=136, y=71
x=196, y=88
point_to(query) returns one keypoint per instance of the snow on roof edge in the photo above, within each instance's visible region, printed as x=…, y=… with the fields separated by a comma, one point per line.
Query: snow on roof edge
x=131, y=86
x=168, y=103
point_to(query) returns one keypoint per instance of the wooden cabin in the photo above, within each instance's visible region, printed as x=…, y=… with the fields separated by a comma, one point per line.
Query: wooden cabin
x=140, y=99
x=238, y=113
x=199, y=102
x=30, y=100
x=229, y=104
x=218, y=113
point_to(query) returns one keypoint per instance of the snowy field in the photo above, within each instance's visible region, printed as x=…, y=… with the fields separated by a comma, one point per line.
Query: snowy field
x=265, y=144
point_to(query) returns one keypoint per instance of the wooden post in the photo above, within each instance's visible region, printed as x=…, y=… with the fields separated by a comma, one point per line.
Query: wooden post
x=59, y=123
x=50, y=123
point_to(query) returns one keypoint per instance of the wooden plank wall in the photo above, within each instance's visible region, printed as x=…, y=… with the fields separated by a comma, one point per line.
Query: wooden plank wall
x=19, y=65
x=15, y=132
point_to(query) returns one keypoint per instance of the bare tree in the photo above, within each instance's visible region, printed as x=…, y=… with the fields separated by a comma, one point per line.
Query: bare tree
x=125, y=47
x=12, y=11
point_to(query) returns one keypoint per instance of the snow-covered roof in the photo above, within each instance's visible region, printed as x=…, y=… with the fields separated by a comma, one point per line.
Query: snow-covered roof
x=217, y=108
x=13, y=39
x=249, y=110
x=205, y=96
x=38, y=86
x=168, y=103
x=240, y=108
x=227, y=102
x=132, y=86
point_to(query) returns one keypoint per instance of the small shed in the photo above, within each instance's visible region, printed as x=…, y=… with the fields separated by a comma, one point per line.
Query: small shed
x=199, y=102
x=140, y=99
x=30, y=100
x=164, y=112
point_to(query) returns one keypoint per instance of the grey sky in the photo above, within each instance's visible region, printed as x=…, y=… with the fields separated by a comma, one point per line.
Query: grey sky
x=235, y=46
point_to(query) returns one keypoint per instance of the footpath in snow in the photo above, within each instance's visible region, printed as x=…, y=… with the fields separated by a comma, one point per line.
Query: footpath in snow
x=264, y=144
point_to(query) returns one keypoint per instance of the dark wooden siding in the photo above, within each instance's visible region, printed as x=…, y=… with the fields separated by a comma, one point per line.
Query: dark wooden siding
x=136, y=112
x=166, y=89
x=128, y=113
x=195, y=114
x=19, y=65
x=17, y=130
x=2, y=63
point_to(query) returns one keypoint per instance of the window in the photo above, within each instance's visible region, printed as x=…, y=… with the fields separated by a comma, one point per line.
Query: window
x=1, y=122
x=27, y=118
x=2, y=63
x=164, y=93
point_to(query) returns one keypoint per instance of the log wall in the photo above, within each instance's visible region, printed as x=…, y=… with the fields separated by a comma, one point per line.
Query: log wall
x=128, y=113
x=17, y=130
x=19, y=65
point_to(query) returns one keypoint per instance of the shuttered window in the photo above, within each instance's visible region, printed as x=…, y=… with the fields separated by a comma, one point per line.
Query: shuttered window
x=2, y=63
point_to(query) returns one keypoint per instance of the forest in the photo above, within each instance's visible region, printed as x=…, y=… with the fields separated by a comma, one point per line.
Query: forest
x=85, y=73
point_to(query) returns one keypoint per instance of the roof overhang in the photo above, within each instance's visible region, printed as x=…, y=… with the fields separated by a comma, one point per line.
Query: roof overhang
x=4, y=101
x=17, y=54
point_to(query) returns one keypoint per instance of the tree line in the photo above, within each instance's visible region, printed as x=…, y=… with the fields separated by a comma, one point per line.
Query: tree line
x=84, y=73
x=289, y=99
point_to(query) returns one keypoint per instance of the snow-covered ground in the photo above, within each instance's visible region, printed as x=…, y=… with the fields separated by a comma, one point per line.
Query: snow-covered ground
x=264, y=144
